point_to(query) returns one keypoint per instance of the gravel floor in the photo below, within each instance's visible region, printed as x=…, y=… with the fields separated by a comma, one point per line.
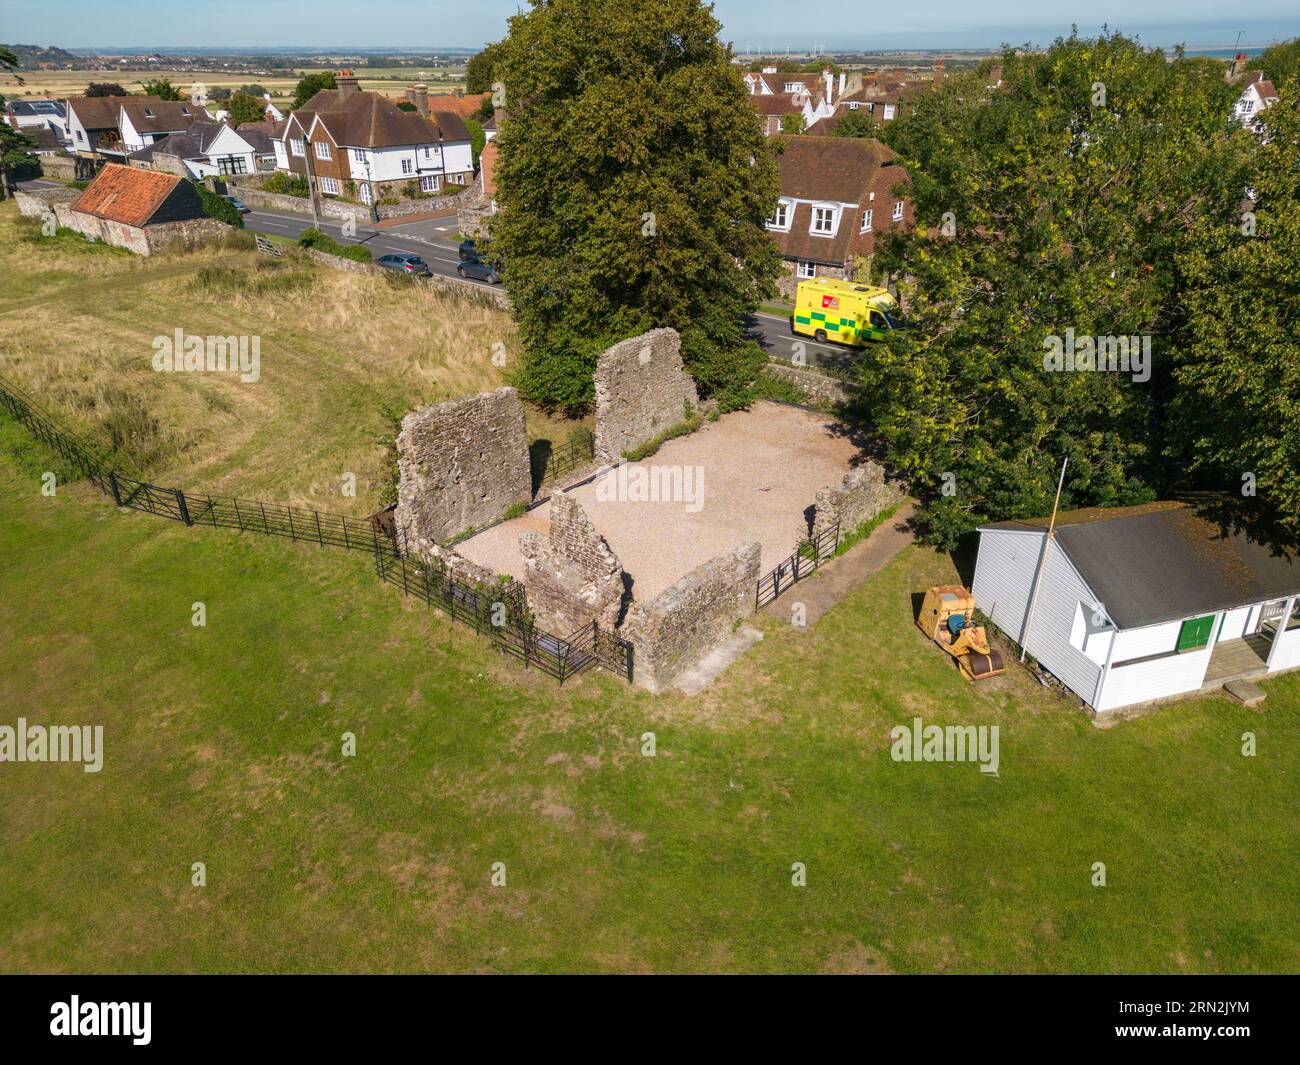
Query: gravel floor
x=761, y=471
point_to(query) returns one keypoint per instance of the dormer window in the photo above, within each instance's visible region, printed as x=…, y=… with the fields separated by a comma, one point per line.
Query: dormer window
x=185, y=110
x=781, y=219
x=866, y=221
x=148, y=113
x=823, y=221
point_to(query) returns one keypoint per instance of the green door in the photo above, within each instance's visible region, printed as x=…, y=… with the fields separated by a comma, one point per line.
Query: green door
x=1195, y=633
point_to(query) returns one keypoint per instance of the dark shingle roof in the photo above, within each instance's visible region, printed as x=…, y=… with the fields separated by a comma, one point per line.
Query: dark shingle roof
x=1169, y=560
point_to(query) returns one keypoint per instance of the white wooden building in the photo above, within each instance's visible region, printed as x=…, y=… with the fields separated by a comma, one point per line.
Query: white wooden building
x=1136, y=604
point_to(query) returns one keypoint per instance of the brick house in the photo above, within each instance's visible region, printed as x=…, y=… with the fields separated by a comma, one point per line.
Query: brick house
x=837, y=194
x=363, y=142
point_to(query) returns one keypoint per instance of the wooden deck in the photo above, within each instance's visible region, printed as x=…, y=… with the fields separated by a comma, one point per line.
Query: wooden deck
x=1237, y=658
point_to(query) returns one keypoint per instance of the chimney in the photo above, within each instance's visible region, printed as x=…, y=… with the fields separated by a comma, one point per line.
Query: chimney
x=843, y=79
x=829, y=76
x=898, y=73
x=459, y=91
x=938, y=73
x=1237, y=64
x=346, y=83
x=419, y=95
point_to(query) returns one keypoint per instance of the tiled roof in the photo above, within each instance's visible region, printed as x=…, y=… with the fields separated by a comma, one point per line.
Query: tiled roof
x=151, y=115
x=100, y=112
x=466, y=106
x=370, y=120
x=126, y=194
x=831, y=168
x=776, y=105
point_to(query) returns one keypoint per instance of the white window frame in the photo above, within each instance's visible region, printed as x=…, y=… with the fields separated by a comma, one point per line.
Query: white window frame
x=898, y=210
x=358, y=155
x=330, y=186
x=866, y=221
x=889, y=112
x=781, y=217
x=323, y=150
x=828, y=229
x=297, y=147
x=408, y=166
x=367, y=196
x=429, y=182
x=805, y=269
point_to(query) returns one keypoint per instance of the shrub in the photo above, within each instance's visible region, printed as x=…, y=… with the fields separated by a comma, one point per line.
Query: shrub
x=287, y=185
x=218, y=207
x=311, y=237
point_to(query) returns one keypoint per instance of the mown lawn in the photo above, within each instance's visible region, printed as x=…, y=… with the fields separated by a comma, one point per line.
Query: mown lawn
x=223, y=746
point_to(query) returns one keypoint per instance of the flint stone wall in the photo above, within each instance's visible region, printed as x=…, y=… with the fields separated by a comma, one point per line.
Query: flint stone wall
x=642, y=388
x=462, y=464
x=571, y=576
x=818, y=389
x=862, y=495
x=672, y=632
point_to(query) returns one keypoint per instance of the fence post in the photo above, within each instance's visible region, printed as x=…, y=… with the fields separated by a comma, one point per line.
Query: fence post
x=180, y=502
x=292, y=535
x=320, y=537
x=238, y=518
x=112, y=483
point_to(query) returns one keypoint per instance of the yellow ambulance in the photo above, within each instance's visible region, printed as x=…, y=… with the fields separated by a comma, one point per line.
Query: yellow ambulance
x=844, y=311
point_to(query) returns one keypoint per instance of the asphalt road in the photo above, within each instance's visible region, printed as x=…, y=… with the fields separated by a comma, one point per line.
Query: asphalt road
x=774, y=335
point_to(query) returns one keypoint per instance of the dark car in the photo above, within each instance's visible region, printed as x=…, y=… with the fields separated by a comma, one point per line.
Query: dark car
x=467, y=250
x=481, y=270
x=237, y=204
x=408, y=264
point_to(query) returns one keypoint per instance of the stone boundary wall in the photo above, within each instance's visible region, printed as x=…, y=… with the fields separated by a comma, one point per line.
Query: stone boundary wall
x=58, y=167
x=495, y=295
x=642, y=388
x=255, y=196
x=34, y=203
x=817, y=388
x=677, y=628
x=862, y=495
x=571, y=576
x=463, y=463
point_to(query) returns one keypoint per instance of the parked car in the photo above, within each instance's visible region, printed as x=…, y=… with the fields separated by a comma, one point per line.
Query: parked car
x=408, y=264
x=481, y=270
x=237, y=204
x=467, y=250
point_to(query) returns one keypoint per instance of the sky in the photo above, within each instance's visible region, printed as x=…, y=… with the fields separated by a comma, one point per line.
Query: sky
x=768, y=25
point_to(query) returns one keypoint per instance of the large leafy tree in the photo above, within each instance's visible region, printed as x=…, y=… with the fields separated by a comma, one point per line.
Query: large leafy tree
x=1056, y=205
x=1281, y=63
x=162, y=88
x=634, y=184
x=480, y=70
x=1236, y=414
x=105, y=88
x=245, y=108
x=16, y=158
x=310, y=84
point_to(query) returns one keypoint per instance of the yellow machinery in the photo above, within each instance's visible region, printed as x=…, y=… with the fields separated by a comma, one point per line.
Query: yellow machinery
x=947, y=617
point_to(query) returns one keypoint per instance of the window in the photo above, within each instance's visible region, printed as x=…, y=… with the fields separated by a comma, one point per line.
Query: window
x=823, y=220
x=780, y=125
x=781, y=220
x=853, y=105
x=323, y=150
x=428, y=152
x=889, y=112
x=329, y=186
x=805, y=269
x=1248, y=106
x=148, y=113
x=359, y=155
x=297, y=146
x=366, y=195
x=407, y=166
x=429, y=183
x=866, y=221
x=793, y=86
x=232, y=164
x=81, y=136
x=898, y=210
x=185, y=110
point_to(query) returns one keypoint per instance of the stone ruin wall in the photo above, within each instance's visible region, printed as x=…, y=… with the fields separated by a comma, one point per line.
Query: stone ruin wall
x=642, y=388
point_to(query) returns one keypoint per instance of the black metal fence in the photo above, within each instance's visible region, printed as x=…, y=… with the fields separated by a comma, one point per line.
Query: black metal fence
x=552, y=461
x=810, y=554
x=83, y=456
x=249, y=515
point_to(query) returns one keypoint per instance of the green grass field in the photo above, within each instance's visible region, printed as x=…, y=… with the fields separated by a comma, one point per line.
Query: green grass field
x=222, y=745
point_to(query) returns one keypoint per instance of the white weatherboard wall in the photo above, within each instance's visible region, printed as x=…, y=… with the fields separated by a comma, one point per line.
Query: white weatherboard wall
x=1004, y=575
x=385, y=164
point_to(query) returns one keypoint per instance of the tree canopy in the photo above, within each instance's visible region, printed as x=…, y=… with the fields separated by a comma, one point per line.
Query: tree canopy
x=162, y=88
x=310, y=84
x=1065, y=210
x=652, y=215
x=246, y=108
x=105, y=88
x=479, y=71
